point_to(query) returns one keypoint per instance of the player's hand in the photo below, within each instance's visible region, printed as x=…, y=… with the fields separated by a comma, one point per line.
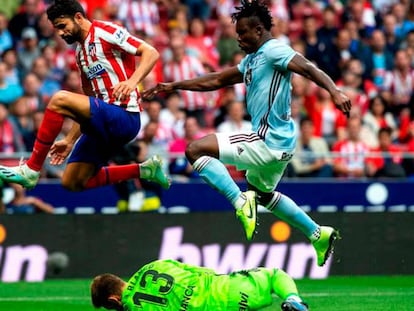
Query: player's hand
x=59, y=151
x=123, y=90
x=342, y=102
x=159, y=88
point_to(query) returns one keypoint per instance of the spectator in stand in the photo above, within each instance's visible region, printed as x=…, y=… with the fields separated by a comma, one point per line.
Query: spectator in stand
x=399, y=83
x=359, y=48
x=27, y=16
x=312, y=153
x=28, y=51
x=31, y=94
x=72, y=82
x=403, y=25
x=181, y=67
x=310, y=38
x=352, y=81
x=57, y=66
x=234, y=121
x=23, y=204
x=178, y=164
x=159, y=135
x=200, y=44
x=198, y=8
x=408, y=44
x=6, y=39
x=280, y=29
x=227, y=43
x=336, y=57
x=300, y=10
x=328, y=31
x=363, y=84
x=45, y=31
x=9, y=92
x=381, y=59
x=389, y=30
x=360, y=12
x=172, y=116
x=387, y=161
x=328, y=121
x=48, y=86
x=11, y=140
x=350, y=152
x=21, y=115
x=9, y=57
x=140, y=16
x=377, y=117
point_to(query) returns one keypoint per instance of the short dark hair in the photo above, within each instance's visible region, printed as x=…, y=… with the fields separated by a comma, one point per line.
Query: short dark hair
x=254, y=9
x=103, y=286
x=64, y=8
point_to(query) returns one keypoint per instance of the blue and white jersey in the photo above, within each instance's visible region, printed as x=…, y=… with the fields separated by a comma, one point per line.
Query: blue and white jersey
x=268, y=86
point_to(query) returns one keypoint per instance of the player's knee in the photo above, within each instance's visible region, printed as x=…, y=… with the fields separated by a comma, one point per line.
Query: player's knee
x=58, y=99
x=192, y=151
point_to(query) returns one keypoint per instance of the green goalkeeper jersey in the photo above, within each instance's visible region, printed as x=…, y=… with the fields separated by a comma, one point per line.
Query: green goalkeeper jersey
x=172, y=285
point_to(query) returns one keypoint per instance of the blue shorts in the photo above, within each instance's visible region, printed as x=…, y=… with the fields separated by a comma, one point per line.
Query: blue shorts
x=105, y=133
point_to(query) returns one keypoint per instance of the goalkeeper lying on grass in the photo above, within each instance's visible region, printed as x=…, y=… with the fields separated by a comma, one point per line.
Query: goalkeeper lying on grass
x=172, y=285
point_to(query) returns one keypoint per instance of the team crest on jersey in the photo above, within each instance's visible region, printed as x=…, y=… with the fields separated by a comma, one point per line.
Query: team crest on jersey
x=92, y=49
x=248, y=76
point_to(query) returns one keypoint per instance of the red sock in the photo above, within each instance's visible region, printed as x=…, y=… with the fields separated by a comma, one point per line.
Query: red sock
x=113, y=174
x=48, y=131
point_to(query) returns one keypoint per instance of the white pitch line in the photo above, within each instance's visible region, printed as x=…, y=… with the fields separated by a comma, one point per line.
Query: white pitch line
x=322, y=294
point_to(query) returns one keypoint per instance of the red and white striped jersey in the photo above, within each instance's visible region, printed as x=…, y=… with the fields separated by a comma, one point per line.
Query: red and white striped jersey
x=107, y=57
x=189, y=68
x=139, y=15
x=351, y=154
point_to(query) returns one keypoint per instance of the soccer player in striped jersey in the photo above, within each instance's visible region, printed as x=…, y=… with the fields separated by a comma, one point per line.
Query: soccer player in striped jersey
x=264, y=153
x=172, y=285
x=107, y=115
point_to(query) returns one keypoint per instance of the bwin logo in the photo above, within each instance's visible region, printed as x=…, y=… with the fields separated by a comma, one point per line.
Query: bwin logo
x=22, y=262
x=297, y=259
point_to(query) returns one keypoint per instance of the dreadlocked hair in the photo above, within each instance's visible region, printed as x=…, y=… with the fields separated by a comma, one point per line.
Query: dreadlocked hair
x=64, y=8
x=255, y=10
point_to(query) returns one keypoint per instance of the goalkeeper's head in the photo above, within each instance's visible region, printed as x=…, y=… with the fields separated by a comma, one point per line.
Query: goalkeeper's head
x=106, y=291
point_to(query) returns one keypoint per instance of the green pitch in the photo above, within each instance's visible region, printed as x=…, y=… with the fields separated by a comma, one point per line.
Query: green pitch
x=389, y=293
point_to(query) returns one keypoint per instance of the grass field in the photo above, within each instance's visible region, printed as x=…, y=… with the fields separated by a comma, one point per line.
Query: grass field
x=390, y=293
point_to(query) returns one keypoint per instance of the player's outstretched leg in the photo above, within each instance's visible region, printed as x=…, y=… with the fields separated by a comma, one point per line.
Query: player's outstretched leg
x=156, y=173
x=293, y=305
x=21, y=174
x=324, y=245
x=247, y=214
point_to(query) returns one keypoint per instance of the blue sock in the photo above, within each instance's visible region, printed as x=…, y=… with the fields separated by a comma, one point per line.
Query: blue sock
x=216, y=175
x=287, y=210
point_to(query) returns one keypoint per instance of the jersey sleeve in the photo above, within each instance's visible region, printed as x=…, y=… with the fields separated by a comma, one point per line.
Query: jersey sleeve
x=119, y=37
x=279, y=54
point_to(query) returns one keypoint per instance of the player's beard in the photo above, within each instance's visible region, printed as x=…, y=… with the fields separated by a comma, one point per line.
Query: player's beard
x=75, y=36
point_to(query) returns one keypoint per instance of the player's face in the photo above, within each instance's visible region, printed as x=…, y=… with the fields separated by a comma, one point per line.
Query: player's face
x=248, y=36
x=68, y=29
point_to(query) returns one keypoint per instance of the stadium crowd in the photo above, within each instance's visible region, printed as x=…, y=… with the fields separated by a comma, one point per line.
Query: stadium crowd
x=367, y=47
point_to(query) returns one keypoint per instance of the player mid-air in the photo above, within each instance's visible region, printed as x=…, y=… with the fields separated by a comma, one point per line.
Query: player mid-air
x=106, y=118
x=264, y=153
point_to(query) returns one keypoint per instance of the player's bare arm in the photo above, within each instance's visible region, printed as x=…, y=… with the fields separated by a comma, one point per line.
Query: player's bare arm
x=208, y=82
x=306, y=68
x=148, y=57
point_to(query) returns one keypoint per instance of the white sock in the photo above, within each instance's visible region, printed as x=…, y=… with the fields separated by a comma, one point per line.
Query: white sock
x=240, y=201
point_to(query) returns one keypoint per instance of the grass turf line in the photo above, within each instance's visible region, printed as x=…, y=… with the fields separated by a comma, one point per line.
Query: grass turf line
x=385, y=293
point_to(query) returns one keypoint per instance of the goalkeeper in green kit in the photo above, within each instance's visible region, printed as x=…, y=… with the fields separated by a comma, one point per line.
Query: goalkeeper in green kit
x=172, y=285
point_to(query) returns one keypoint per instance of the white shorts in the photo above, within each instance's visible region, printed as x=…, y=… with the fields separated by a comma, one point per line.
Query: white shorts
x=247, y=151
